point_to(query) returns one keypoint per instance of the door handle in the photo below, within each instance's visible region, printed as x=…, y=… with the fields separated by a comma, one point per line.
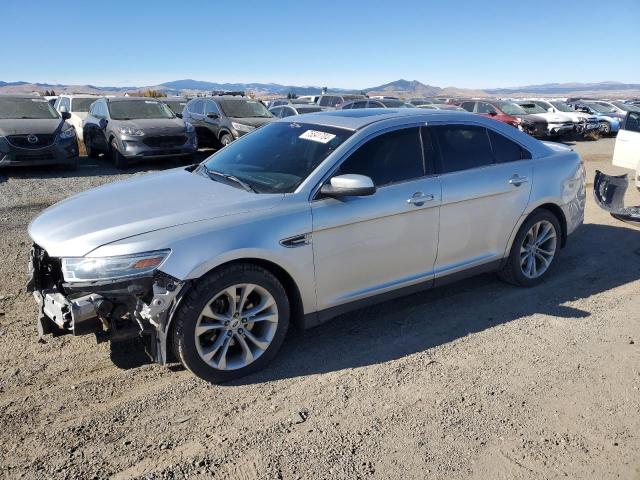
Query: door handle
x=419, y=198
x=517, y=180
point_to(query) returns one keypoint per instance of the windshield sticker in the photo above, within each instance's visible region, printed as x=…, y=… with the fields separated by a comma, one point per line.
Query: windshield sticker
x=38, y=100
x=316, y=136
x=151, y=102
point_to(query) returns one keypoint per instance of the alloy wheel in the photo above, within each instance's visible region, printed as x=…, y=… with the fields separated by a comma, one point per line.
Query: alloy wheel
x=538, y=249
x=236, y=326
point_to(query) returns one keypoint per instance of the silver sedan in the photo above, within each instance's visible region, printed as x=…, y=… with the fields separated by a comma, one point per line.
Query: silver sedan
x=299, y=221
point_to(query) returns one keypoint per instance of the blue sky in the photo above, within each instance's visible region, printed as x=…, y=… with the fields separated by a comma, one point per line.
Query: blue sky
x=352, y=44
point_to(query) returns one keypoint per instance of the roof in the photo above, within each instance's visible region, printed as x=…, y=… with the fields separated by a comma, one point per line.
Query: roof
x=356, y=119
x=129, y=99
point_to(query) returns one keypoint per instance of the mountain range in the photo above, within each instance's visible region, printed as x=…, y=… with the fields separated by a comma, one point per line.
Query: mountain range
x=403, y=88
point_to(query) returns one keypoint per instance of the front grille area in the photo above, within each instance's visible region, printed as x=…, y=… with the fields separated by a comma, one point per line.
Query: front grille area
x=22, y=141
x=34, y=157
x=168, y=141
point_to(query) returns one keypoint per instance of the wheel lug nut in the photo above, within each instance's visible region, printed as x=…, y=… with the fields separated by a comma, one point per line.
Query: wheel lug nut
x=226, y=324
x=229, y=333
x=244, y=320
x=240, y=330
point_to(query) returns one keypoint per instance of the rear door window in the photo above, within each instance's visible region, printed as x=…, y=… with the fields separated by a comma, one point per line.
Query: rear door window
x=505, y=150
x=211, y=107
x=468, y=106
x=484, y=107
x=389, y=158
x=462, y=147
x=196, y=107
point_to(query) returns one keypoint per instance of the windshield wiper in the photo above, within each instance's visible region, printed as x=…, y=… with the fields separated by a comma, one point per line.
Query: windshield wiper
x=214, y=173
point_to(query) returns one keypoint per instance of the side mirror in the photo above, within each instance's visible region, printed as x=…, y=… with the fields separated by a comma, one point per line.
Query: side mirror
x=103, y=123
x=65, y=115
x=179, y=115
x=349, y=185
x=493, y=114
x=213, y=115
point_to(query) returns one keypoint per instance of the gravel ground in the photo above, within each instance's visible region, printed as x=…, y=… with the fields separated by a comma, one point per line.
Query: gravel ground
x=474, y=380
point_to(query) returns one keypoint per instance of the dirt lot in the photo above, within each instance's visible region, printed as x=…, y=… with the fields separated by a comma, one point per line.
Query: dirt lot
x=474, y=380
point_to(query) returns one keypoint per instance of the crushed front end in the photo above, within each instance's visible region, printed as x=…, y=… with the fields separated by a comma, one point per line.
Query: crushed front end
x=112, y=309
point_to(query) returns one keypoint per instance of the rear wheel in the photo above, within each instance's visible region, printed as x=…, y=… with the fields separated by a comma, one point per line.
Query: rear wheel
x=231, y=323
x=119, y=160
x=534, y=250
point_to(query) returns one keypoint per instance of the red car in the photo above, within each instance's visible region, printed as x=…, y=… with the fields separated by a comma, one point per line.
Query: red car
x=510, y=113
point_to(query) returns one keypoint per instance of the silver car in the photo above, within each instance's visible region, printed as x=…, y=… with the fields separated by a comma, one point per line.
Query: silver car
x=303, y=219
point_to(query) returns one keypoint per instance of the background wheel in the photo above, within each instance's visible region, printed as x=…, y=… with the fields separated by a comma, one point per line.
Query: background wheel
x=605, y=128
x=119, y=160
x=91, y=152
x=231, y=323
x=534, y=250
x=226, y=139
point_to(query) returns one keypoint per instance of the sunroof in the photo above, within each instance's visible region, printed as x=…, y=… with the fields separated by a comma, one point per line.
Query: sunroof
x=361, y=112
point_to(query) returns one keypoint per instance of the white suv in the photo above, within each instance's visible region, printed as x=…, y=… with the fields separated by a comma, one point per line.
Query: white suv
x=78, y=107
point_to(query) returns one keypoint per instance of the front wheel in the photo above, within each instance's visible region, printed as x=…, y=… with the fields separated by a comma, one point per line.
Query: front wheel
x=119, y=160
x=226, y=139
x=231, y=323
x=534, y=250
x=605, y=128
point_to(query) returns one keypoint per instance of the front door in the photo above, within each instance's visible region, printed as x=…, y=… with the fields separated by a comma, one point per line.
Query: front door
x=369, y=245
x=486, y=181
x=627, y=150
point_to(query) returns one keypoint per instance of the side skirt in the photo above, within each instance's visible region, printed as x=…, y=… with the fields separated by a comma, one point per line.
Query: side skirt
x=314, y=319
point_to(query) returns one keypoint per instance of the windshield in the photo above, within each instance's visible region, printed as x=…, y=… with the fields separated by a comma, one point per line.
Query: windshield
x=244, y=109
x=276, y=158
x=139, y=109
x=176, y=107
x=600, y=108
x=608, y=106
x=563, y=107
x=532, y=108
x=511, y=108
x=26, y=108
x=81, y=104
x=394, y=103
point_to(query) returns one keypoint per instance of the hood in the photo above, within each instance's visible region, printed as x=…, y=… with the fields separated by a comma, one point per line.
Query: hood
x=253, y=121
x=554, y=117
x=155, y=126
x=84, y=222
x=531, y=118
x=26, y=126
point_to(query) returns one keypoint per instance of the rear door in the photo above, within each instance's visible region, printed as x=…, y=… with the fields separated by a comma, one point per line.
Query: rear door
x=486, y=182
x=627, y=150
x=212, y=118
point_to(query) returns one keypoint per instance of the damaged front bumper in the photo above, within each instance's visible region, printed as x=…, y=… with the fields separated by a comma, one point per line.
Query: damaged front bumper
x=609, y=191
x=112, y=310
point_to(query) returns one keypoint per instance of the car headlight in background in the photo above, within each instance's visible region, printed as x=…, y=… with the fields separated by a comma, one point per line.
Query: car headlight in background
x=189, y=127
x=86, y=269
x=131, y=131
x=242, y=128
x=68, y=133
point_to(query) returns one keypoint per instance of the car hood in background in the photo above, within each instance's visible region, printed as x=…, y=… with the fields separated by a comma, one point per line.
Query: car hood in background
x=84, y=222
x=27, y=126
x=155, y=126
x=554, y=117
x=531, y=118
x=253, y=121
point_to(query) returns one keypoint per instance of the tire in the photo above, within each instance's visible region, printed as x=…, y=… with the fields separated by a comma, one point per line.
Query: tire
x=605, y=128
x=91, y=152
x=73, y=164
x=119, y=160
x=223, y=339
x=515, y=270
x=226, y=139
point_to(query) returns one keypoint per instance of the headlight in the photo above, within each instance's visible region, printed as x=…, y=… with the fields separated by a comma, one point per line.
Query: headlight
x=190, y=128
x=131, y=131
x=84, y=269
x=68, y=133
x=242, y=128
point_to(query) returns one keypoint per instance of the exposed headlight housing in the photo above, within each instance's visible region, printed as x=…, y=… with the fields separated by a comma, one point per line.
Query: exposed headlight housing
x=87, y=269
x=67, y=133
x=189, y=127
x=130, y=131
x=242, y=128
